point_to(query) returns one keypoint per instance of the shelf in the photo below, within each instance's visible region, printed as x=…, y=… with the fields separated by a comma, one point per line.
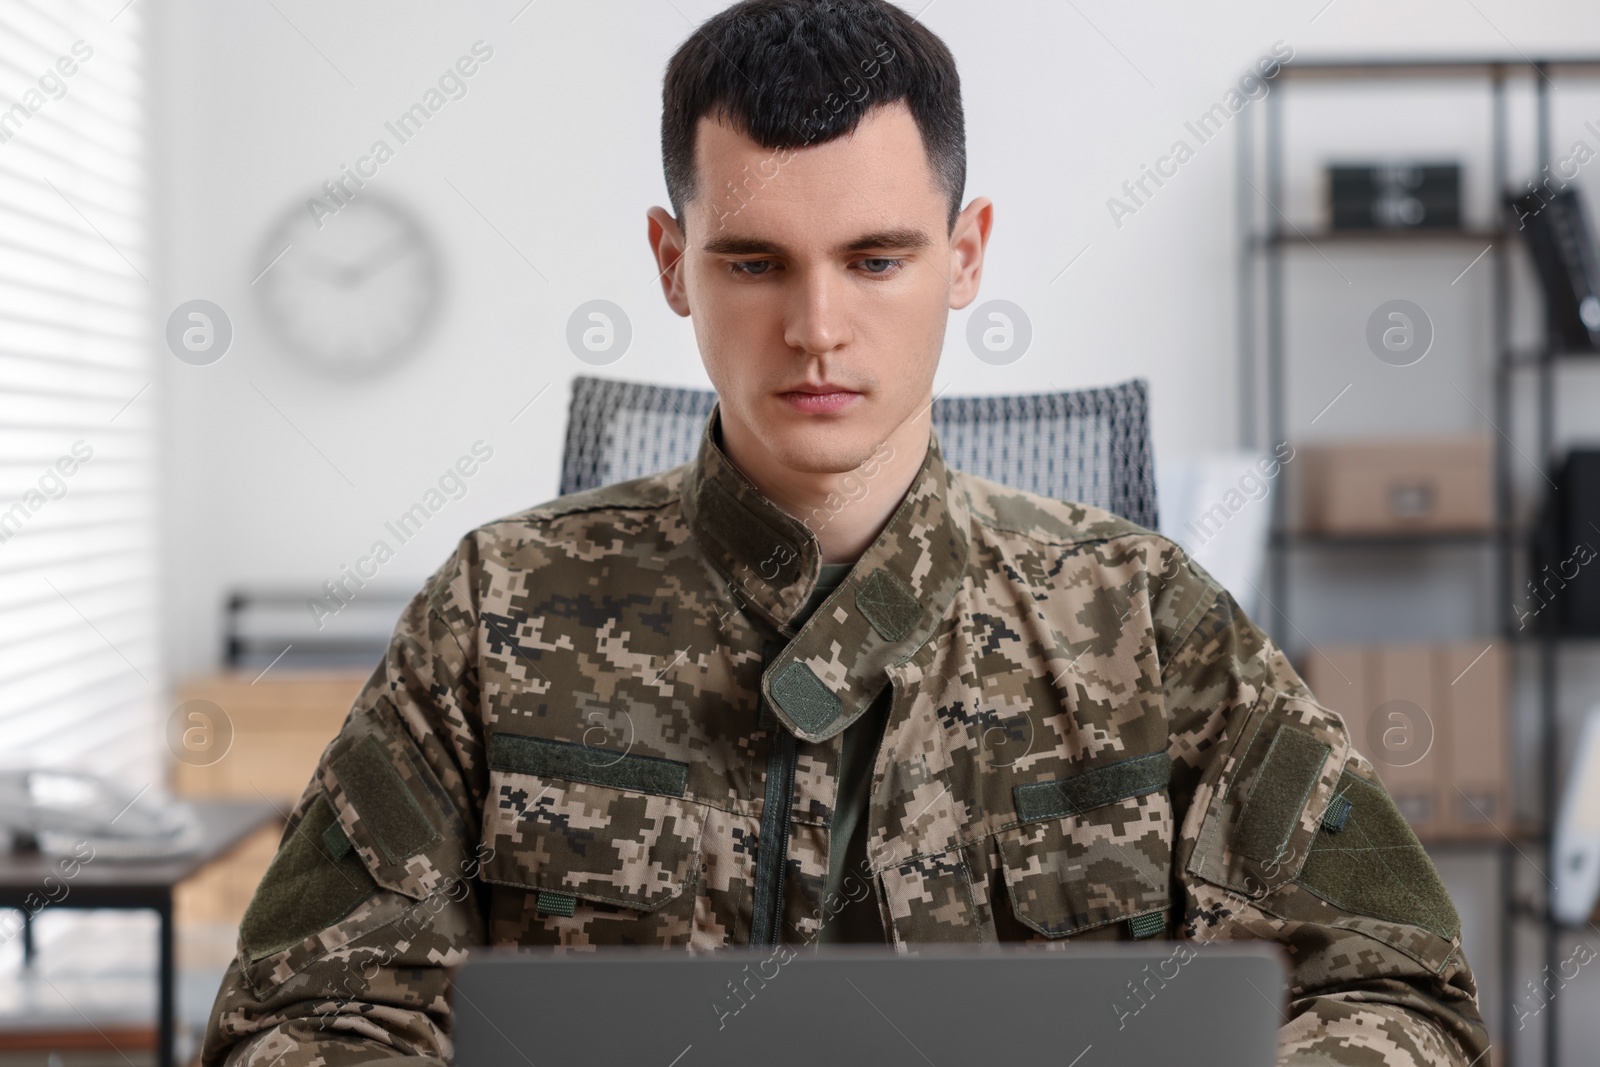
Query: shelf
x=1535, y=910
x=1535, y=636
x=1491, y=838
x=1266, y=374
x=1290, y=538
x=1534, y=358
x=1430, y=67
x=1415, y=236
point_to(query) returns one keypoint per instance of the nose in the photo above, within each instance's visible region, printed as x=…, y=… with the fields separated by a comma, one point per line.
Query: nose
x=817, y=317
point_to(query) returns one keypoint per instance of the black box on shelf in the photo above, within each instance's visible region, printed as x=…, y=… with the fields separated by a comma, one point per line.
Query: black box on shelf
x=1394, y=196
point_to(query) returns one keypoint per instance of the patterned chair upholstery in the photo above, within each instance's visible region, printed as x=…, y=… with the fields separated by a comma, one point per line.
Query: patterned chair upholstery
x=1088, y=445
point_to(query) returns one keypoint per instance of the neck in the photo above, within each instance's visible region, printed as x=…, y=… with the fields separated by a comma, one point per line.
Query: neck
x=845, y=510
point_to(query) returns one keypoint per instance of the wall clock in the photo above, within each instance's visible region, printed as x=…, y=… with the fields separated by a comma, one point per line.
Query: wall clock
x=354, y=295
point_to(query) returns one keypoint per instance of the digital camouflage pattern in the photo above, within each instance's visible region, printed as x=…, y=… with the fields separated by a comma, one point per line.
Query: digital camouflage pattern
x=574, y=720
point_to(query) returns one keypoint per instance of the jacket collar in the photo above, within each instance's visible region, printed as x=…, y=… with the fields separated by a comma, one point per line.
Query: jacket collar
x=835, y=666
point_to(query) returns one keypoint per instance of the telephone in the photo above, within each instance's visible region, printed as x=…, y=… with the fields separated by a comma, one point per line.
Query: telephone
x=56, y=811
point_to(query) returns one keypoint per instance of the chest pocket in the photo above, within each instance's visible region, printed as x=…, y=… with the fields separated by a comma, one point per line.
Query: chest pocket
x=1092, y=850
x=581, y=826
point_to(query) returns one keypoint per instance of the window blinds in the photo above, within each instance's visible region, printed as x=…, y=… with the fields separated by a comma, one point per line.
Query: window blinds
x=79, y=660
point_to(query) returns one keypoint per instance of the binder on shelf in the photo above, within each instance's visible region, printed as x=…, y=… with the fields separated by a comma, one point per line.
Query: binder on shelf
x=1431, y=719
x=1561, y=242
x=1562, y=592
x=1383, y=700
x=1402, y=733
x=1477, y=789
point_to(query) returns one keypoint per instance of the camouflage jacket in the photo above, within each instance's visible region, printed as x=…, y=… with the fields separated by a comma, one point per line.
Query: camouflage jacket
x=595, y=717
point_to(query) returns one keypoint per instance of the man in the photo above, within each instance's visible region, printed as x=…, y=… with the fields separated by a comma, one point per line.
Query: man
x=815, y=685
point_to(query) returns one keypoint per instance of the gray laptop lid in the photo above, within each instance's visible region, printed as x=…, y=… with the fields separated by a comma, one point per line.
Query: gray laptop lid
x=1196, y=1003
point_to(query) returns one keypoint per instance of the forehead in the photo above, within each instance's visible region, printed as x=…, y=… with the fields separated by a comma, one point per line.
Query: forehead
x=877, y=177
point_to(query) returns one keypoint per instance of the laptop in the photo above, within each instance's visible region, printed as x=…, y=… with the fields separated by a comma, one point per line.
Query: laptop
x=1202, y=1004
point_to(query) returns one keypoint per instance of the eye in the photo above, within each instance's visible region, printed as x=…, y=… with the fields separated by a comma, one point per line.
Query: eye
x=880, y=266
x=737, y=268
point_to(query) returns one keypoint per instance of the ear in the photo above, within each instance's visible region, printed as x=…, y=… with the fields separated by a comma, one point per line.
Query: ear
x=667, y=245
x=967, y=243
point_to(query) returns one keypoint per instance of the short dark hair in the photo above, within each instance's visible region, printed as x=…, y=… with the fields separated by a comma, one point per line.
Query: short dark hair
x=791, y=73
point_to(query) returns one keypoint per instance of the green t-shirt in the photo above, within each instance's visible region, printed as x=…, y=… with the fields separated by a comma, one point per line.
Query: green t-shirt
x=857, y=918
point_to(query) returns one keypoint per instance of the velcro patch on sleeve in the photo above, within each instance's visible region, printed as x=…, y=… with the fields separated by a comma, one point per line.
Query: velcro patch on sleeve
x=582, y=763
x=307, y=888
x=382, y=800
x=1377, y=867
x=1101, y=785
x=1279, y=794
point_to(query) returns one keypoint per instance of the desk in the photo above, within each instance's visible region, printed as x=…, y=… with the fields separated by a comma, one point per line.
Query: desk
x=107, y=883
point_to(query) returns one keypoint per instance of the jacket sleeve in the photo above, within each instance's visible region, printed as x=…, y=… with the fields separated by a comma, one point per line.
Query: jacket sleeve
x=1287, y=835
x=344, y=949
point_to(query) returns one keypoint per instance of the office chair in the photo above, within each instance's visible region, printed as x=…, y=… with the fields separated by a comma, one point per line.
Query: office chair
x=1088, y=445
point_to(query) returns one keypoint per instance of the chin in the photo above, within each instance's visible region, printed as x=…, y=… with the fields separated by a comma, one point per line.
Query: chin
x=816, y=446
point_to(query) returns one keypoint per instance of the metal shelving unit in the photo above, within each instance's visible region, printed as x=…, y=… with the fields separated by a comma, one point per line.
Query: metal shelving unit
x=1266, y=251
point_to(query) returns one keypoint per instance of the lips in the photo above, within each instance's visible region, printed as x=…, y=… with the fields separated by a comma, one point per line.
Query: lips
x=819, y=390
x=819, y=400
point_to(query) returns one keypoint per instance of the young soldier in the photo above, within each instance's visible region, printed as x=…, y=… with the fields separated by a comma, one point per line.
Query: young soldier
x=816, y=685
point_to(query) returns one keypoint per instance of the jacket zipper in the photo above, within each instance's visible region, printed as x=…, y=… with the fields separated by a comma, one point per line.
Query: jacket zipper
x=772, y=849
x=872, y=781
x=772, y=854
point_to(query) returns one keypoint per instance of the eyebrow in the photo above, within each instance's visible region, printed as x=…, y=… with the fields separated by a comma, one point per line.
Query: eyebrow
x=910, y=239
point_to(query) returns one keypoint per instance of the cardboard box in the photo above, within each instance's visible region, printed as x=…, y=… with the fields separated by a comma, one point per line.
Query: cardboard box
x=1477, y=699
x=220, y=891
x=1433, y=721
x=1400, y=486
x=1401, y=732
x=279, y=727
